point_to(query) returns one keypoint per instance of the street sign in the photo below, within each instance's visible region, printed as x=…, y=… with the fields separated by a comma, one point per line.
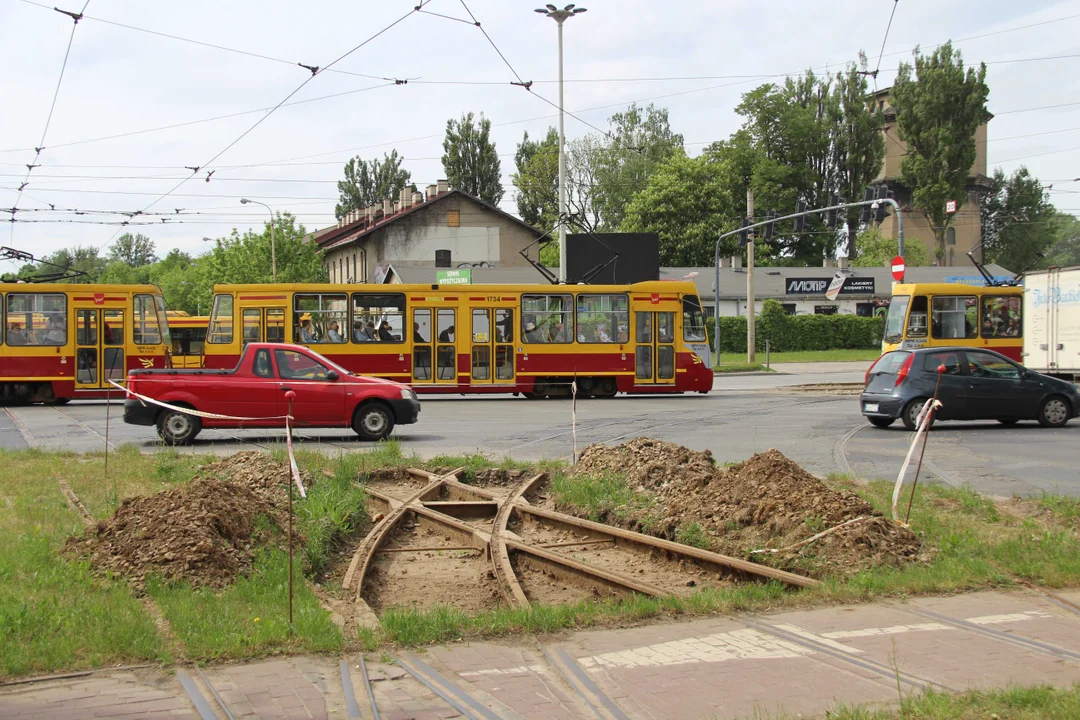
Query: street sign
x=898, y=268
x=835, y=285
x=453, y=277
x=950, y=206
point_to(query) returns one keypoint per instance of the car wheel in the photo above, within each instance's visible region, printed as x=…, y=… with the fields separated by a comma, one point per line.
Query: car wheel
x=177, y=428
x=910, y=415
x=1008, y=421
x=881, y=422
x=1054, y=411
x=373, y=421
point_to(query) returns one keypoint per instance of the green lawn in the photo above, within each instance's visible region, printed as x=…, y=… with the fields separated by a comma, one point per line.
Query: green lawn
x=741, y=367
x=806, y=356
x=1016, y=703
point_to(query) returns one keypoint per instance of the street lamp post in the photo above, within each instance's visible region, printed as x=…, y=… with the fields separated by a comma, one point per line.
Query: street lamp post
x=560, y=16
x=273, y=259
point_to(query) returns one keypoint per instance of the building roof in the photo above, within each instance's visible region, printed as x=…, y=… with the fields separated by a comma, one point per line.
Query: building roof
x=771, y=282
x=333, y=237
x=480, y=275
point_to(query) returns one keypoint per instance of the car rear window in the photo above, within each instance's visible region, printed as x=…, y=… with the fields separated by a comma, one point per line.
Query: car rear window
x=890, y=362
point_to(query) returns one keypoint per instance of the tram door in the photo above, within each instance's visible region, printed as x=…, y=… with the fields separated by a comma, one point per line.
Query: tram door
x=434, y=345
x=654, y=354
x=99, y=347
x=262, y=324
x=492, y=346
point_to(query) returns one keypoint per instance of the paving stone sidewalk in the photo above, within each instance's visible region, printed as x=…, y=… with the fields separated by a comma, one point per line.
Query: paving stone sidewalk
x=800, y=663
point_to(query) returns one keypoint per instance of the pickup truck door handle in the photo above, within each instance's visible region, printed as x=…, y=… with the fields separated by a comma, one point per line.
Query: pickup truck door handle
x=285, y=388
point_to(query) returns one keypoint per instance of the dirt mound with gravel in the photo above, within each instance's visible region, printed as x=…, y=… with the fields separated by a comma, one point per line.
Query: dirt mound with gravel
x=651, y=465
x=203, y=532
x=765, y=503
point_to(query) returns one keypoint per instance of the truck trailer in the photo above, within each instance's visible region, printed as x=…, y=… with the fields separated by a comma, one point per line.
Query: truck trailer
x=1052, y=321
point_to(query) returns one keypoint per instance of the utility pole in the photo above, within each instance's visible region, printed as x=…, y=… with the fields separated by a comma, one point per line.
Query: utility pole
x=750, y=335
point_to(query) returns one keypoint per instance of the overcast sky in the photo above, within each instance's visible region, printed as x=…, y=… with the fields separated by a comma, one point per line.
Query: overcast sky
x=122, y=80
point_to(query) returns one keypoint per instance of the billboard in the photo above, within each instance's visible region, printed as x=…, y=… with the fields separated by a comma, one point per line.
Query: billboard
x=636, y=257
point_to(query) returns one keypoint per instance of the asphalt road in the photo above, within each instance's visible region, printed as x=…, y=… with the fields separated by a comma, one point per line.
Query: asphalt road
x=742, y=415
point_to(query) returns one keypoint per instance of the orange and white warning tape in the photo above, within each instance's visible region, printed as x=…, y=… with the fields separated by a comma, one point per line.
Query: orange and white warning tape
x=294, y=470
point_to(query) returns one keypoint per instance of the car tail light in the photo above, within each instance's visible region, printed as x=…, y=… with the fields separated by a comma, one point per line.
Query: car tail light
x=870, y=369
x=901, y=374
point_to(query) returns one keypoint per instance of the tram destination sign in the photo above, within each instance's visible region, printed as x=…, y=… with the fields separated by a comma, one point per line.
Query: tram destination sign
x=819, y=286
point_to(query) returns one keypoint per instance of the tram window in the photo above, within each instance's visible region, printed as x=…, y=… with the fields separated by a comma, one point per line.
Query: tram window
x=693, y=320
x=36, y=319
x=547, y=318
x=1001, y=316
x=114, y=327
x=377, y=309
x=602, y=318
x=252, y=320
x=328, y=313
x=275, y=325
x=504, y=325
x=221, y=321
x=954, y=317
x=147, y=327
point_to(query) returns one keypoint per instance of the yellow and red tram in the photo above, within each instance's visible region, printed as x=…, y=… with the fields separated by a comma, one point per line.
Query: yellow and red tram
x=62, y=341
x=535, y=340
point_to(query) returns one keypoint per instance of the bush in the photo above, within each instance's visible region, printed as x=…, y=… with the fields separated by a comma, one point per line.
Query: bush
x=791, y=333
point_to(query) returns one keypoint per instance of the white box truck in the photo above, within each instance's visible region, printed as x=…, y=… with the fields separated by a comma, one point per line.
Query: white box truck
x=1052, y=321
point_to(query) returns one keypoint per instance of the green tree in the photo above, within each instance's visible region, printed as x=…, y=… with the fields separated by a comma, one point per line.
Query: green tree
x=84, y=259
x=639, y=141
x=1065, y=251
x=857, y=141
x=537, y=181
x=876, y=250
x=939, y=106
x=470, y=160
x=367, y=183
x=688, y=203
x=175, y=275
x=1017, y=217
x=246, y=259
x=135, y=250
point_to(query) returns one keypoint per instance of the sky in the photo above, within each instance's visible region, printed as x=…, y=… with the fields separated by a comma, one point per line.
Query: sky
x=134, y=107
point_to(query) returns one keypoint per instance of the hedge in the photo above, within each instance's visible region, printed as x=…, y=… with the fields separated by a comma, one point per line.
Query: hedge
x=799, y=332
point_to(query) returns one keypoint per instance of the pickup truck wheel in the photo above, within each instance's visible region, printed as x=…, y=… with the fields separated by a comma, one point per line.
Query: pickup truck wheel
x=177, y=428
x=373, y=421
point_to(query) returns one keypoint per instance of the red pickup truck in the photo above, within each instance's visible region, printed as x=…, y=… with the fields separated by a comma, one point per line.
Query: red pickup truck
x=325, y=395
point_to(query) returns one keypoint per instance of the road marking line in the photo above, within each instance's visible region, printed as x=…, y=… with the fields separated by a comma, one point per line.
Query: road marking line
x=821, y=640
x=519, y=670
x=1012, y=617
x=924, y=627
x=746, y=644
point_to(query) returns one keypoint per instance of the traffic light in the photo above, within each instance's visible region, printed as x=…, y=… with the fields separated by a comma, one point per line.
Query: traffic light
x=770, y=227
x=864, y=211
x=744, y=234
x=882, y=210
x=834, y=200
x=800, y=222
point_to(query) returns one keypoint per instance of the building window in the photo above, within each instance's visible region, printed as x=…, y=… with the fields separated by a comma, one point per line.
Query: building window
x=789, y=308
x=950, y=236
x=826, y=309
x=864, y=309
x=453, y=218
x=547, y=318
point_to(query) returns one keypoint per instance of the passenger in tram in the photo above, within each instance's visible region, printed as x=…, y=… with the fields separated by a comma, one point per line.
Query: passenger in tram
x=358, y=333
x=557, y=333
x=416, y=336
x=385, y=333
x=447, y=335
x=307, y=335
x=57, y=333
x=602, y=334
x=15, y=335
x=334, y=333
x=530, y=333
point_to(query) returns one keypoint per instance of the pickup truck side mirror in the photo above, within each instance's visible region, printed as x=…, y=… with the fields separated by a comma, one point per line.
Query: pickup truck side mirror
x=331, y=376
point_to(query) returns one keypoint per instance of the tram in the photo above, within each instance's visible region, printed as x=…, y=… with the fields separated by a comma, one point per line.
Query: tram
x=977, y=316
x=188, y=334
x=531, y=340
x=61, y=341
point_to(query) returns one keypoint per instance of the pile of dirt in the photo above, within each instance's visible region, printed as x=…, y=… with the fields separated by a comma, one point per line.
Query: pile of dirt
x=650, y=465
x=766, y=502
x=203, y=531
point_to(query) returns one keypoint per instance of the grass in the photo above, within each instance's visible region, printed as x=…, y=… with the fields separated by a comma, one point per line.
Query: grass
x=1042, y=702
x=802, y=356
x=741, y=367
x=56, y=615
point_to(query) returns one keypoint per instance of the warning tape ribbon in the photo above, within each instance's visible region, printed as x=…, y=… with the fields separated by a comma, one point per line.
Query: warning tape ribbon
x=293, y=468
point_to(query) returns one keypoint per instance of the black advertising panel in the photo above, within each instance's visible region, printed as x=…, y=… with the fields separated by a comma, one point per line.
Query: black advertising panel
x=818, y=286
x=638, y=257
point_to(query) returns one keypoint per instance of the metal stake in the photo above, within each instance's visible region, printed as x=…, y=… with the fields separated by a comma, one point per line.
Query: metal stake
x=926, y=436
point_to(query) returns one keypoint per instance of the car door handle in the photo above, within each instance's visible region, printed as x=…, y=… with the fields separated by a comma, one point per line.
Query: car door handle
x=285, y=388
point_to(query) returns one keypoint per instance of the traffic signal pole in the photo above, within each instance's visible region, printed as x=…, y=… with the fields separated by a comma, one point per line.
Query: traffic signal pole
x=716, y=262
